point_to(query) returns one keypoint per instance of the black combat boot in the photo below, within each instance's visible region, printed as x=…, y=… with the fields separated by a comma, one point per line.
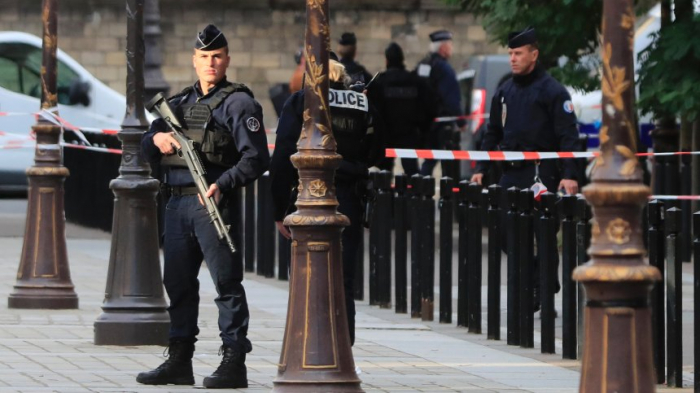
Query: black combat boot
x=232, y=372
x=177, y=368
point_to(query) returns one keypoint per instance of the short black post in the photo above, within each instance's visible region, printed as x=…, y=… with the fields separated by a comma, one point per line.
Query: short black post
x=263, y=240
x=568, y=232
x=446, y=205
x=360, y=269
x=249, y=247
x=674, y=316
x=548, y=241
x=382, y=215
x=526, y=251
x=400, y=244
x=686, y=230
x=656, y=259
x=583, y=241
x=494, y=263
x=462, y=247
x=474, y=257
x=513, y=254
x=696, y=296
x=373, y=242
x=284, y=255
x=427, y=268
x=416, y=183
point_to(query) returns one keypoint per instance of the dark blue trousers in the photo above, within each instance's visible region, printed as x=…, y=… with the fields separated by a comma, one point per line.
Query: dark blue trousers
x=190, y=238
x=350, y=204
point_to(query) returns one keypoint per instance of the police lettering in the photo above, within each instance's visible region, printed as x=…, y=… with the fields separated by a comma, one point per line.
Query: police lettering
x=348, y=99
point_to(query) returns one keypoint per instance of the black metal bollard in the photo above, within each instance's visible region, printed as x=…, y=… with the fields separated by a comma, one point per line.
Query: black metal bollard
x=427, y=269
x=462, y=247
x=360, y=269
x=674, y=316
x=446, y=205
x=494, y=263
x=416, y=183
x=686, y=229
x=656, y=259
x=513, y=302
x=373, y=239
x=382, y=215
x=696, y=297
x=284, y=256
x=526, y=249
x=548, y=241
x=266, y=229
x=400, y=243
x=474, y=257
x=249, y=247
x=583, y=241
x=568, y=232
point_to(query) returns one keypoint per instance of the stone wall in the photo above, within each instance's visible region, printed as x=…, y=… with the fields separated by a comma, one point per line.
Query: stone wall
x=263, y=35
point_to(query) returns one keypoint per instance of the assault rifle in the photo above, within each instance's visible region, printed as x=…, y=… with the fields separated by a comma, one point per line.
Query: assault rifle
x=188, y=153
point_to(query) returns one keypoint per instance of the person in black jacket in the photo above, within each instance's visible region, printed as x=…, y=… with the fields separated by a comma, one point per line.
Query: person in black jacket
x=347, y=50
x=406, y=107
x=226, y=124
x=531, y=112
x=353, y=125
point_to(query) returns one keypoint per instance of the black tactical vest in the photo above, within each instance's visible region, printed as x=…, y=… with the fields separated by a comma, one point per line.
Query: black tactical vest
x=212, y=140
x=349, y=121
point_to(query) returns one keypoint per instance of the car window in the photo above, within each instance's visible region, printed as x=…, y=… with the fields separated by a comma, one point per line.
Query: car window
x=20, y=67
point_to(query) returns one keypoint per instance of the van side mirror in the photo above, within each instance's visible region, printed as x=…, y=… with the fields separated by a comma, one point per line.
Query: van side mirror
x=78, y=92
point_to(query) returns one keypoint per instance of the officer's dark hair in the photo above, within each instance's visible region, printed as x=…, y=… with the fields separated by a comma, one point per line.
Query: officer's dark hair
x=347, y=51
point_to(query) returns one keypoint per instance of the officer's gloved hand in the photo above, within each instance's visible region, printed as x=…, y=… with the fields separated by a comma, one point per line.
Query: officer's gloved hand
x=358, y=87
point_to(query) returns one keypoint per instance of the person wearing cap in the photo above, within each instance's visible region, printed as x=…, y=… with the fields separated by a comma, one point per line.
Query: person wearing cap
x=347, y=50
x=405, y=105
x=358, y=141
x=444, y=87
x=531, y=112
x=226, y=124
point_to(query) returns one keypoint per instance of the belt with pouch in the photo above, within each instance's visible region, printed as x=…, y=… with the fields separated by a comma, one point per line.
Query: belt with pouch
x=519, y=164
x=182, y=190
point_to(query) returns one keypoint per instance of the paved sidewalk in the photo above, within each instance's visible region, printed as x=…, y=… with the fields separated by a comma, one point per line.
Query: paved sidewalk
x=52, y=351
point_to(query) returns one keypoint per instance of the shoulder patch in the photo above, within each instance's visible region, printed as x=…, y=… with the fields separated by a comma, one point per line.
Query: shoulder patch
x=424, y=70
x=348, y=99
x=568, y=106
x=253, y=124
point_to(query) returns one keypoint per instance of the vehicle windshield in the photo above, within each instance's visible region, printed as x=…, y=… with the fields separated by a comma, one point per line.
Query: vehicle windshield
x=20, y=71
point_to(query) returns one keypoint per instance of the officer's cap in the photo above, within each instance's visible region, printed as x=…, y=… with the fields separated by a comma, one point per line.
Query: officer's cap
x=210, y=39
x=394, y=53
x=440, y=35
x=517, y=39
x=348, y=39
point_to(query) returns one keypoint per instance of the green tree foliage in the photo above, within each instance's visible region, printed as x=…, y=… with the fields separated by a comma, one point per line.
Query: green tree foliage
x=669, y=78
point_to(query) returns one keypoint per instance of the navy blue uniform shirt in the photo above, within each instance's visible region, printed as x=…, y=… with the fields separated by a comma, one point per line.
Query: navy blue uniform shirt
x=242, y=115
x=443, y=82
x=532, y=112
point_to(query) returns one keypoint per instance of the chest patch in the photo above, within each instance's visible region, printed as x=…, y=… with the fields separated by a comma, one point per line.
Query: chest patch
x=424, y=70
x=348, y=99
x=253, y=124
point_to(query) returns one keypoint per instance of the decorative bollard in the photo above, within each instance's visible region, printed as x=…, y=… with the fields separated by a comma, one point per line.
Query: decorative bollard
x=494, y=263
x=656, y=241
x=462, y=252
x=427, y=269
x=513, y=301
x=446, y=205
x=374, y=229
x=401, y=244
x=569, y=304
x=382, y=215
x=547, y=241
x=416, y=240
x=474, y=257
x=583, y=241
x=526, y=251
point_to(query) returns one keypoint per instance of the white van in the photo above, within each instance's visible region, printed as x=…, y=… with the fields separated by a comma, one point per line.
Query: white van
x=83, y=101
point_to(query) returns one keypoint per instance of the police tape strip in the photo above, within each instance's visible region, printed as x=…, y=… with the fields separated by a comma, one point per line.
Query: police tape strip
x=475, y=155
x=26, y=144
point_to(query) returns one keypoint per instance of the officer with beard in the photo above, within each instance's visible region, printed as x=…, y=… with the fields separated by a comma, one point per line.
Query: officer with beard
x=226, y=124
x=352, y=122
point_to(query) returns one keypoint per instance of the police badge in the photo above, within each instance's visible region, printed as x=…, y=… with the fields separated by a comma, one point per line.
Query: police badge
x=504, y=112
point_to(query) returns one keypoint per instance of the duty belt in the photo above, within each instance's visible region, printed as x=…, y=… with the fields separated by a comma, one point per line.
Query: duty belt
x=519, y=164
x=180, y=191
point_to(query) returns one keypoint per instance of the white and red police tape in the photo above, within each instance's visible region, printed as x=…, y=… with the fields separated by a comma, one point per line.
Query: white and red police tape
x=475, y=155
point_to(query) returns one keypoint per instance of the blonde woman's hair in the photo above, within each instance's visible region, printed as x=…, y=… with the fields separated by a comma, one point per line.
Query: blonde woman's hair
x=337, y=73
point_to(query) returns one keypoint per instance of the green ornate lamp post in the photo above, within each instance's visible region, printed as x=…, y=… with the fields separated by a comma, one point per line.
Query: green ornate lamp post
x=617, y=354
x=316, y=352
x=43, y=277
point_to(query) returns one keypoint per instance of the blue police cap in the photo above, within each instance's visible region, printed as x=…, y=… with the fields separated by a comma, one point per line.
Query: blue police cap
x=440, y=35
x=517, y=39
x=348, y=39
x=210, y=39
